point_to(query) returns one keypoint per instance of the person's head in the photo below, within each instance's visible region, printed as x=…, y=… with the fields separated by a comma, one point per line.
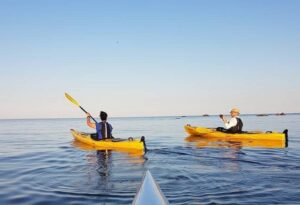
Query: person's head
x=235, y=112
x=103, y=116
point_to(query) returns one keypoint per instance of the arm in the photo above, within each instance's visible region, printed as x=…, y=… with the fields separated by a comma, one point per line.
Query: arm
x=88, y=121
x=223, y=119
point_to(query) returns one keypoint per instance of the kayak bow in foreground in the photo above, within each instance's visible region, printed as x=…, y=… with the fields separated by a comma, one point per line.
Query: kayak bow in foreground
x=149, y=193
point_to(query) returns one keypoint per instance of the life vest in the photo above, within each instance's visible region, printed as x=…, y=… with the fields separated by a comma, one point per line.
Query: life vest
x=237, y=128
x=104, y=130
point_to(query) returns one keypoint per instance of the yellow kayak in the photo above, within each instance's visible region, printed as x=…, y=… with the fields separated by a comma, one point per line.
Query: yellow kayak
x=212, y=133
x=128, y=144
x=137, y=155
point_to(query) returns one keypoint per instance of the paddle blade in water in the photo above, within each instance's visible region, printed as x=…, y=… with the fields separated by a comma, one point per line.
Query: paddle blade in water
x=72, y=100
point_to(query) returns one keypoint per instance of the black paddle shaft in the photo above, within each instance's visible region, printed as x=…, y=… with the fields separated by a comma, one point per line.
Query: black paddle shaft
x=86, y=113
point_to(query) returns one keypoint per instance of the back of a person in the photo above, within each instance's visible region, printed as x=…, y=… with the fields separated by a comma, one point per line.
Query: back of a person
x=104, y=130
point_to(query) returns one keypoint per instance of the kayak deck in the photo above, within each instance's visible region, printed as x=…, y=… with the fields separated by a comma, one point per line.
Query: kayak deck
x=134, y=144
x=149, y=193
x=211, y=133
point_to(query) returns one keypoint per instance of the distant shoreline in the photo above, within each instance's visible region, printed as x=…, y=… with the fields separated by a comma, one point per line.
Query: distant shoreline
x=171, y=116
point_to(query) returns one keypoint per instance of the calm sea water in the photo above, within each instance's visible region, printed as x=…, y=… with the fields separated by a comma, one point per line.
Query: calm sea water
x=41, y=164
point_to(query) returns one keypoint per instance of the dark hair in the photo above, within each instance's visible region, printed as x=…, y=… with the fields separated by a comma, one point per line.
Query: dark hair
x=103, y=115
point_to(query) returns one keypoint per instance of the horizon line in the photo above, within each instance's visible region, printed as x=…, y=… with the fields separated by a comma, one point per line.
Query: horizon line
x=53, y=118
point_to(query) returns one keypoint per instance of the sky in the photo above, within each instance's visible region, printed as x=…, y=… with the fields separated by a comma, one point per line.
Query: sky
x=148, y=58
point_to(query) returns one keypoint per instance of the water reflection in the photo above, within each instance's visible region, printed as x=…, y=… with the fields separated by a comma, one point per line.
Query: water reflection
x=233, y=157
x=202, y=142
x=103, y=161
x=232, y=153
x=102, y=165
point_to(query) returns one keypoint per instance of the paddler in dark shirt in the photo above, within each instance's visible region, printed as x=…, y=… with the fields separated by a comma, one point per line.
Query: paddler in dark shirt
x=103, y=128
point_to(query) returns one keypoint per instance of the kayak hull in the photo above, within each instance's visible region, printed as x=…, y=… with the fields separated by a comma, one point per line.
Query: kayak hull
x=211, y=133
x=135, y=144
x=149, y=193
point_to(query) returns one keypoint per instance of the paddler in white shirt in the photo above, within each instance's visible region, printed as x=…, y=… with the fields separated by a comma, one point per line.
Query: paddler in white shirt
x=234, y=125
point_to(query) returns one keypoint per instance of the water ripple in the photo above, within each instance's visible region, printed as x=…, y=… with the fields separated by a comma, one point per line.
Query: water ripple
x=42, y=165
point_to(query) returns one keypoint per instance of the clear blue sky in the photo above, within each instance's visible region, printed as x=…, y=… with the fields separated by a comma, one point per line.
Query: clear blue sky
x=145, y=58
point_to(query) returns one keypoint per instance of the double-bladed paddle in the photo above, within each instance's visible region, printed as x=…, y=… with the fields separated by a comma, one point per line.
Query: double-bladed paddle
x=72, y=100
